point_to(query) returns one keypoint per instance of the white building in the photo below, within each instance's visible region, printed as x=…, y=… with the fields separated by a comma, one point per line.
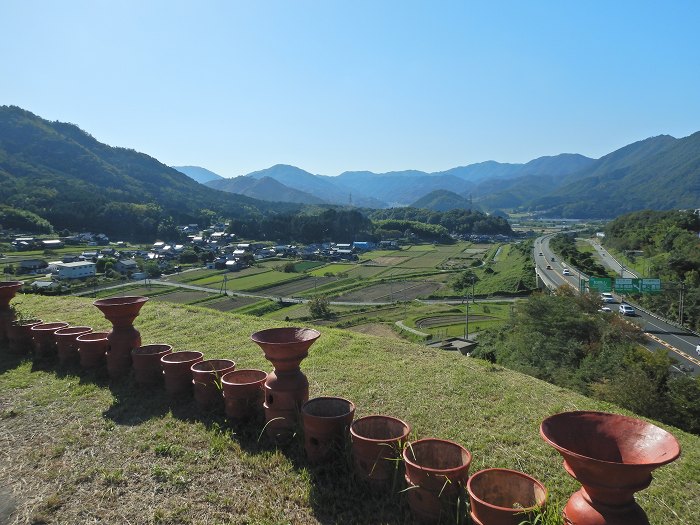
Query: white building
x=76, y=270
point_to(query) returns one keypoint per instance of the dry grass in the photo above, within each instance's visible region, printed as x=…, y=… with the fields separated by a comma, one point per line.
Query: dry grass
x=76, y=448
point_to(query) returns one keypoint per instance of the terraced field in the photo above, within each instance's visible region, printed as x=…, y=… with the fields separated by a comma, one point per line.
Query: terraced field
x=228, y=303
x=293, y=288
x=398, y=291
x=182, y=296
x=446, y=320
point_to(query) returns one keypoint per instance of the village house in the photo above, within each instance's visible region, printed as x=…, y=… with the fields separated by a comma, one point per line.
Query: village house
x=29, y=265
x=126, y=266
x=75, y=270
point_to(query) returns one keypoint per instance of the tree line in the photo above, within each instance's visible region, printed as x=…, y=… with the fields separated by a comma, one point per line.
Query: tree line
x=564, y=340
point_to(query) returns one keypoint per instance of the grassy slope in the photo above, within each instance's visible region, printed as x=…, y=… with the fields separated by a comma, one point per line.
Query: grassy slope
x=84, y=450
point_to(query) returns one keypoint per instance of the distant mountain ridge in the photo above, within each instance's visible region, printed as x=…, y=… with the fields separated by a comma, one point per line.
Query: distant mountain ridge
x=265, y=189
x=566, y=185
x=198, y=173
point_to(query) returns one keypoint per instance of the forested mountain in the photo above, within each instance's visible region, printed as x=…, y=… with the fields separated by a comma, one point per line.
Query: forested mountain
x=463, y=222
x=62, y=174
x=198, y=173
x=660, y=173
x=316, y=185
x=442, y=200
x=400, y=187
x=266, y=189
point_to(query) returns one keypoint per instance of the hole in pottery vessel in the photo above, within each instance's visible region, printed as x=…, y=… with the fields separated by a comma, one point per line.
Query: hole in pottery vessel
x=269, y=400
x=314, y=442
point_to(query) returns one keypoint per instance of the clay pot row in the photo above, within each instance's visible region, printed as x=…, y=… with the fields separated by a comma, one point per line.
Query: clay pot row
x=436, y=470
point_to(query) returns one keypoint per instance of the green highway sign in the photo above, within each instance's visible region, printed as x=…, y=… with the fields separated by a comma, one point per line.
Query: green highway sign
x=627, y=285
x=600, y=284
x=650, y=286
x=638, y=285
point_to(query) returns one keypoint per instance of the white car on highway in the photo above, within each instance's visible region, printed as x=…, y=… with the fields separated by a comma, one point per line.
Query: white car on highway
x=607, y=297
x=626, y=309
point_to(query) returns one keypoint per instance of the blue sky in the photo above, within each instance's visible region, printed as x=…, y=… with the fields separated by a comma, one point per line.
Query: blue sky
x=376, y=85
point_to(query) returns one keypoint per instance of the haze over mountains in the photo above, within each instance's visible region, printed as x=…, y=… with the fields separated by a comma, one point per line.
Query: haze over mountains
x=657, y=173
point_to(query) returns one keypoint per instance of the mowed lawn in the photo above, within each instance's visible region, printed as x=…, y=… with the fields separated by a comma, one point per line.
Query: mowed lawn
x=77, y=448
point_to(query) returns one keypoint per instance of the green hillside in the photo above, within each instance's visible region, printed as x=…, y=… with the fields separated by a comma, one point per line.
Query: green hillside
x=442, y=200
x=660, y=173
x=265, y=189
x=83, y=449
x=65, y=176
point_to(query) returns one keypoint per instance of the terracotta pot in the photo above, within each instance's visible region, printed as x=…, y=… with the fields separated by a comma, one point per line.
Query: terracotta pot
x=206, y=378
x=504, y=497
x=177, y=372
x=44, y=340
x=8, y=289
x=243, y=393
x=66, y=344
x=146, y=362
x=612, y=456
x=123, y=338
x=286, y=387
x=92, y=348
x=436, y=472
x=20, y=336
x=377, y=442
x=326, y=423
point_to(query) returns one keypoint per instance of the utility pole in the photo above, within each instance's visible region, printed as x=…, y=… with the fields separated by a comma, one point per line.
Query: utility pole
x=680, y=305
x=466, y=327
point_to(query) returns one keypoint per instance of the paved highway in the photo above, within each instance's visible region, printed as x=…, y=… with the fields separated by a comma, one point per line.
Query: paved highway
x=660, y=334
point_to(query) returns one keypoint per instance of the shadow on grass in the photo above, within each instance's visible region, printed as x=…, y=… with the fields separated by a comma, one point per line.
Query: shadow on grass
x=339, y=496
x=336, y=494
x=9, y=360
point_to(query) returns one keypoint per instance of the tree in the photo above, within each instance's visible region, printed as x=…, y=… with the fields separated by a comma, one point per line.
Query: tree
x=188, y=256
x=152, y=269
x=319, y=307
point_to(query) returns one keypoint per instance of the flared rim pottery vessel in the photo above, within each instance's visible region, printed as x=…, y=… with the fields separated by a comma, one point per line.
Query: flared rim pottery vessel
x=121, y=310
x=177, y=372
x=326, y=423
x=66, y=344
x=146, y=363
x=244, y=393
x=92, y=348
x=504, y=497
x=377, y=442
x=285, y=348
x=612, y=456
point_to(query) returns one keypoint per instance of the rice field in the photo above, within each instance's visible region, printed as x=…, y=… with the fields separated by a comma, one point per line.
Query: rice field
x=333, y=268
